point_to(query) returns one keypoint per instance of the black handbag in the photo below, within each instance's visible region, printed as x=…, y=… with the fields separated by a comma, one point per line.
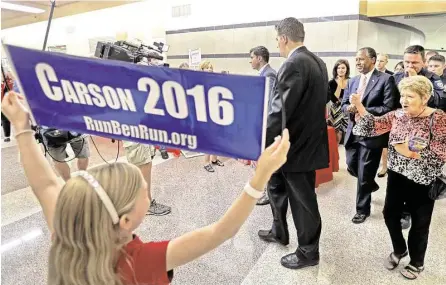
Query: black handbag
x=437, y=189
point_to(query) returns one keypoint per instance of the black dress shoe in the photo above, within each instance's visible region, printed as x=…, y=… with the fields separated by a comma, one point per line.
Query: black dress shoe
x=270, y=237
x=293, y=261
x=376, y=188
x=351, y=172
x=359, y=218
x=264, y=200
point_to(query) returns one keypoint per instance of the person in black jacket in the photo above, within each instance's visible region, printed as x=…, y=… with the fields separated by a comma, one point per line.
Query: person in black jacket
x=302, y=84
x=414, y=58
x=337, y=85
x=437, y=65
x=381, y=63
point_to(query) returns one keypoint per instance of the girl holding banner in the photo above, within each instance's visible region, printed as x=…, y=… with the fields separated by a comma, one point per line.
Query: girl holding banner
x=92, y=217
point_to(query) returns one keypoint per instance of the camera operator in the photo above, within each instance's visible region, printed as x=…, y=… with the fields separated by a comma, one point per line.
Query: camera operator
x=58, y=153
x=141, y=155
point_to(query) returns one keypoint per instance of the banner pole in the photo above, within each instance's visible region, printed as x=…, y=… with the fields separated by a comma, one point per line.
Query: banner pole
x=53, y=3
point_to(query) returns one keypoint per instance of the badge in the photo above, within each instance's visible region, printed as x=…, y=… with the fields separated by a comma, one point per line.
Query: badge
x=439, y=84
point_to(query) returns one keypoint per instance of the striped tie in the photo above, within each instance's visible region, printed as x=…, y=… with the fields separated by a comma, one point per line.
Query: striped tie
x=360, y=91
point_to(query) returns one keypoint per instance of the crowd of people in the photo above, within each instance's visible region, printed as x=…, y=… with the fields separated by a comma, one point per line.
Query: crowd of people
x=92, y=220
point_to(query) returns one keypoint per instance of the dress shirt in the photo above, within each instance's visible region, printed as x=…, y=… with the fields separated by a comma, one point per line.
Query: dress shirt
x=263, y=67
x=293, y=50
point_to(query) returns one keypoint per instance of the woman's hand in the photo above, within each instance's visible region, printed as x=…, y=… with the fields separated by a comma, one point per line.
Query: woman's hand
x=403, y=149
x=275, y=155
x=15, y=111
x=355, y=100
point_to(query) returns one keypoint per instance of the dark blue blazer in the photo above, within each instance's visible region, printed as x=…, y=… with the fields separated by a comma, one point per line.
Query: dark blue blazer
x=378, y=99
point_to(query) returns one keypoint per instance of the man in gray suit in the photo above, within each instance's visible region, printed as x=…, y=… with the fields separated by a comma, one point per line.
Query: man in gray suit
x=259, y=61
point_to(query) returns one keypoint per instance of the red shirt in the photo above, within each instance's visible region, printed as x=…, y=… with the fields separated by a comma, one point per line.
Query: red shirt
x=144, y=263
x=10, y=85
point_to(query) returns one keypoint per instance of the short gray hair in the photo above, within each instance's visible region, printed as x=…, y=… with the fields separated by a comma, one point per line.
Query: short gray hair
x=292, y=28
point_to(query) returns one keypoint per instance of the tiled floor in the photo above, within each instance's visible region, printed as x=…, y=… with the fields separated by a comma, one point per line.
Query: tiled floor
x=350, y=254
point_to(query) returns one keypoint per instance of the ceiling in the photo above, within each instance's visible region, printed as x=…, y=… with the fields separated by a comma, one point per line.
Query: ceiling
x=63, y=8
x=428, y=24
x=44, y=5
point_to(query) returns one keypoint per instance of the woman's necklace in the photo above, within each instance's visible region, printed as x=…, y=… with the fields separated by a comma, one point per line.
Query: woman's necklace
x=411, y=118
x=422, y=111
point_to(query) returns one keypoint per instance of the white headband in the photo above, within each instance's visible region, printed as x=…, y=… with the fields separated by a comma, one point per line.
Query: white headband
x=102, y=195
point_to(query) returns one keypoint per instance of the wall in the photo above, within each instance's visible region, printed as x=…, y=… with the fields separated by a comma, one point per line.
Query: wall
x=436, y=42
x=225, y=30
x=214, y=13
x=335, y=37
x=388, y=37
x=404, y=7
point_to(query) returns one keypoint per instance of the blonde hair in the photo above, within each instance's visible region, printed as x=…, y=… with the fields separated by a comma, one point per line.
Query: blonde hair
x=418, y=84
x=86, y=244
x=205, y=64
x=385, y=55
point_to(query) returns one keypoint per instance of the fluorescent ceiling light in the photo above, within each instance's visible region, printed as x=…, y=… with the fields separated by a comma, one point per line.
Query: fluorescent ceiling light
x=21, y=8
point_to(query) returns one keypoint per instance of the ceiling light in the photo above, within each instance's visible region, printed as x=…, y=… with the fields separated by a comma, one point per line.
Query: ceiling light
x=21, y=8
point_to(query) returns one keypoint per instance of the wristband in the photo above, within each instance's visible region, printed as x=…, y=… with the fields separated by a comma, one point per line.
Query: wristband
x=256, y=194
x=23, y=132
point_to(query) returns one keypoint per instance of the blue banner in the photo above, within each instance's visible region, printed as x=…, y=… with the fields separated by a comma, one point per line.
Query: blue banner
x=199, y=111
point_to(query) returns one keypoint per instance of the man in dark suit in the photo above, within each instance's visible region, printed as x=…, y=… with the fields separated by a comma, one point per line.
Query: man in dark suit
x=437, y=65
x=381, y=63
x=377, y=90
x=260, y=62
x=299, y=104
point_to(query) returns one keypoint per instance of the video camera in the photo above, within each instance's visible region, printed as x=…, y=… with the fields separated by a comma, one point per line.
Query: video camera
x=131, y=52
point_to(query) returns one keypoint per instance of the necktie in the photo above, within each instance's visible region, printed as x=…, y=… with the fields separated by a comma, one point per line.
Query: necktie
x=362, y=86
x=360, y=91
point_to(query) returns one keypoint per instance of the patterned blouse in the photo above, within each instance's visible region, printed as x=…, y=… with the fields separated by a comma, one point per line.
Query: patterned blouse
x=433, y=157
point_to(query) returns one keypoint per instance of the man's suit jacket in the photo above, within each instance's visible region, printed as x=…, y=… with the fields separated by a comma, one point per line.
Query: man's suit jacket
x=378, y=99
x=302, y=83
x=388, y=72
x=270, y=73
